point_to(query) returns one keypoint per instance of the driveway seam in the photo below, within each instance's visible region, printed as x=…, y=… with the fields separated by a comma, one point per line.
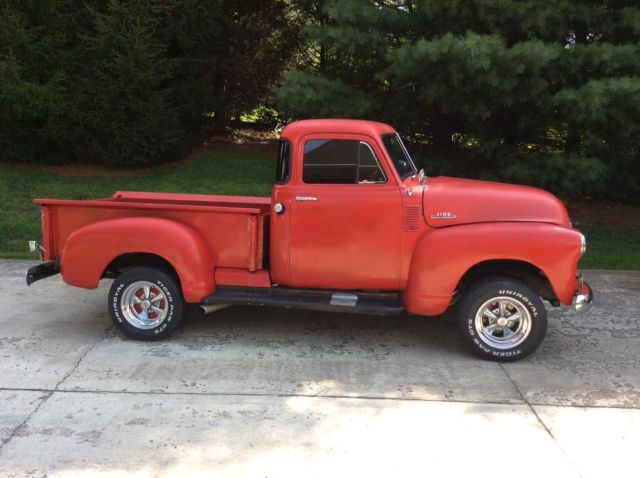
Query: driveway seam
x=540, y=421
x=49, y=392
x=24, y=422
x=250, y=394
x=103, y=335
x=303, y=395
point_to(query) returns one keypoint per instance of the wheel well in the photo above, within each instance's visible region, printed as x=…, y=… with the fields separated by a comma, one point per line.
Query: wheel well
x=524, y=271
x=137, y=259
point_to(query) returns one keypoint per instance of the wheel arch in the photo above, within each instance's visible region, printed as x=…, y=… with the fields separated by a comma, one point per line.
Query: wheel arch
x=522, y=270
x=98, y=250
x=129, y=260
x=444, y=257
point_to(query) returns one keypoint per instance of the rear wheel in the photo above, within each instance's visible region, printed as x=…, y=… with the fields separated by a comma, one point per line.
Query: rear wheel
x=146, y=303
x=503, y=319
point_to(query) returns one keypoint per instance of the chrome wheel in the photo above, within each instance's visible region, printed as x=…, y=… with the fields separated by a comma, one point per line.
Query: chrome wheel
x=503, y=322
x=144, y=305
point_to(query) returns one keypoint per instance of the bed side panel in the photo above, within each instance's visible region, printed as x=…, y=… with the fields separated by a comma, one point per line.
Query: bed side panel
x=229, y=237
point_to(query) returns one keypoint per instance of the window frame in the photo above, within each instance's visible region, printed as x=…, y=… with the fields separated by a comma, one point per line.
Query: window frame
x=360, y=141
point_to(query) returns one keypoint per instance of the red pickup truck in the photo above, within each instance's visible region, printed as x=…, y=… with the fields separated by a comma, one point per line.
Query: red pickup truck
x=351, y=227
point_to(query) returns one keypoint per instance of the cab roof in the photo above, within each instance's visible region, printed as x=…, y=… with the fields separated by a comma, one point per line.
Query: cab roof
x=301, y=128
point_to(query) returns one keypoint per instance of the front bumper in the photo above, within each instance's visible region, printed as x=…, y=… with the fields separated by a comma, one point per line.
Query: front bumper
x=583, y=297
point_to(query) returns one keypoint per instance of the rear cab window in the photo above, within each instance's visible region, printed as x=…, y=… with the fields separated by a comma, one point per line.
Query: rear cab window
x=283, y=164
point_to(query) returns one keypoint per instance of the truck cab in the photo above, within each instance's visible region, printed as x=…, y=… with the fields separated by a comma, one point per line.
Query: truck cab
x=341, y=202
x=352, y=226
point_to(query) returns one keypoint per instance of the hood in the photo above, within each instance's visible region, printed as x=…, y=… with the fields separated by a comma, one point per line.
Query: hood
x=450, y=201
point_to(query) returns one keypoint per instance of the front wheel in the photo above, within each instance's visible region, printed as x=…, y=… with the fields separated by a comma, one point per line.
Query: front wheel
x=503, y=319
x=146, y=303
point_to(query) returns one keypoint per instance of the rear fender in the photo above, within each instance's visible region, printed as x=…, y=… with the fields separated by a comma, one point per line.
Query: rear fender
x=89, y=250
x=442, y=257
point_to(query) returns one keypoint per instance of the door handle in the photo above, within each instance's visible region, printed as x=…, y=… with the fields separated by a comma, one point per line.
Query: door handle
x=306, y=198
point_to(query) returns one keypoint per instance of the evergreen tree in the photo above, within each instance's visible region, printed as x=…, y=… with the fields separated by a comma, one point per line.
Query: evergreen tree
x=129, y=83
x=32, y=46
x=512, y=84
x=119, y=97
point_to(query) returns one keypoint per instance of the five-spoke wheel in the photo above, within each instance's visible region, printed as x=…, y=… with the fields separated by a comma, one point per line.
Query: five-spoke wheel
x=146, y=303
x=502, y=319
x=503, y=322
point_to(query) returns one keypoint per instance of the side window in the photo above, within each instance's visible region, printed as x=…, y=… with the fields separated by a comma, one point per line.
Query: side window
x=340, y=161
x=283, y=167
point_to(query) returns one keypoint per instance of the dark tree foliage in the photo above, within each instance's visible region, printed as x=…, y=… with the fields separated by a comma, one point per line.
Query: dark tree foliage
x=121, y=82
x=525, y=90
x=532, y=91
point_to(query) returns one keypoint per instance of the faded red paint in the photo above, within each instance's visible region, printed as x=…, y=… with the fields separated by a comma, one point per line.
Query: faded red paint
x=399, y=235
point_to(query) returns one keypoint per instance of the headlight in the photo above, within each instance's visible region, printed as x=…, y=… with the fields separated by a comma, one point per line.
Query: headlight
x=583, y=244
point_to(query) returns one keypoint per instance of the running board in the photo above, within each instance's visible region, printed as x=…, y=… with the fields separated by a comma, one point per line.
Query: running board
x=370, y=303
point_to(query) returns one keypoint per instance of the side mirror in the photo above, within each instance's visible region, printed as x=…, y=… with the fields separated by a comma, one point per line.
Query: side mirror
x=422, y=177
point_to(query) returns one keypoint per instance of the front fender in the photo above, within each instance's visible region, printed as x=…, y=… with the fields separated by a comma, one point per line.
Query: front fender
x=442, y=257
x=89, y=250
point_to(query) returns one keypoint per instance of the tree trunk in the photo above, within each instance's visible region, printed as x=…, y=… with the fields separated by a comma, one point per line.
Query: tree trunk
x=441, y=134
x=572, y=141
x=221, y=113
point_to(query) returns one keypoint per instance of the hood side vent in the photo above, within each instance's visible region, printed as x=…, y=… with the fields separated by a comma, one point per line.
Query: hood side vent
x=411, y=219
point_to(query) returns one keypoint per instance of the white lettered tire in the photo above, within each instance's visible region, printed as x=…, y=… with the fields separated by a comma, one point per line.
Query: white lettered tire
x=502, y=319
x=146, y=303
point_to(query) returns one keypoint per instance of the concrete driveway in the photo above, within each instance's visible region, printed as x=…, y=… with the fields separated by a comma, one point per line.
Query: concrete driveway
x=267, y=392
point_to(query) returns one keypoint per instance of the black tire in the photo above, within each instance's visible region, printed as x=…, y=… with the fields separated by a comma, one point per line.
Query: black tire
x=130, y=318
x=516, y=338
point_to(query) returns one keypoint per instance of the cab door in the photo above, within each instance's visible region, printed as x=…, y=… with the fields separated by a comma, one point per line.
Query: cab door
x=346, y=217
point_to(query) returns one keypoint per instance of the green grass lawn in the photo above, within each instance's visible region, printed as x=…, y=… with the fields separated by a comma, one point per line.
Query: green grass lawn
x=223, y=173
x=611, y=248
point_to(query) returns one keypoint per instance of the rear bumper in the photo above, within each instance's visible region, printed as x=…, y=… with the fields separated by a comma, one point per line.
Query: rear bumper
x=583, y=297
x=43, y=270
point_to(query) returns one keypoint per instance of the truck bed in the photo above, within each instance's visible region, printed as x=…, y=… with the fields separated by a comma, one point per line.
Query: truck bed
x=233, y=226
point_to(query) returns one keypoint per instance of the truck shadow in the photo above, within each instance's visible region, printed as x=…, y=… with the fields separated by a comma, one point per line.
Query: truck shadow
x=331, y=329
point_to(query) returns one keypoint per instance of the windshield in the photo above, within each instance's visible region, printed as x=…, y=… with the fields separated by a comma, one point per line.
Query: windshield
x=399, y=155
